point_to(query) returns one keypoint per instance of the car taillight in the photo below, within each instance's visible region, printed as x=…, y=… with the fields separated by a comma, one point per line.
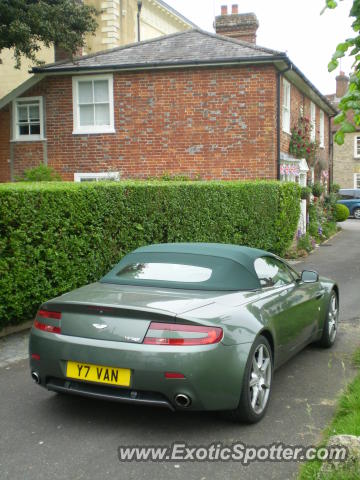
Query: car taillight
x=172, y=375
x=48, y=314
x=174, y=334
x=45, y=326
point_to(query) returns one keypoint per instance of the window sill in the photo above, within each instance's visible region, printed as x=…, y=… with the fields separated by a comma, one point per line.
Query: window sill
x=286, y=131
x=93, y=132
x=26, y=140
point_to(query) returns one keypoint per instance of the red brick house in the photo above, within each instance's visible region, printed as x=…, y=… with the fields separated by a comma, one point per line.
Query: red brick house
x=191, y=103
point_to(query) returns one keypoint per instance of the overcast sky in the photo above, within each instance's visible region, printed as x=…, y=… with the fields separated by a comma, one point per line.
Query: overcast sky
x=292, y=26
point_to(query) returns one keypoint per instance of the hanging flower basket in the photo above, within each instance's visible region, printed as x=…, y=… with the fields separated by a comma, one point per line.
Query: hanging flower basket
x=301, y=145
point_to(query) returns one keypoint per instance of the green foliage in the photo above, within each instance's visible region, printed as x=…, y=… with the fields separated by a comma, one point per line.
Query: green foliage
x=41, y=173
x=334, y=188
x=317, y=189
x=304, y=243
x=329, y=229
x=345, y=422
x=29, y=22
x=301, y=145
x=342, y=212
x=351, y=100
x=58, y=236
x=174, y=177
x=330, y=202
x=305, y=193
x=322, y=218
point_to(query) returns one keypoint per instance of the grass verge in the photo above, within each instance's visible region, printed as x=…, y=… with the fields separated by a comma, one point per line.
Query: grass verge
x=346, y=421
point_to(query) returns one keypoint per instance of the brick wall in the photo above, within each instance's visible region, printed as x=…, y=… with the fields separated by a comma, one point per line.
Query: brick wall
x=217, y=123
x=26, y=155
x=214, y=123
x=298, y=102
x=345, y=163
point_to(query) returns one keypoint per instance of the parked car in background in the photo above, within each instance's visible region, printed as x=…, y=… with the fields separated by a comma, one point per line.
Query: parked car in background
x=351, y=199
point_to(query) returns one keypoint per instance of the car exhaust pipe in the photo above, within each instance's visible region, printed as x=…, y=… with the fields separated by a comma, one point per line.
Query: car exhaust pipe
x=182, y=400
x=35, y=377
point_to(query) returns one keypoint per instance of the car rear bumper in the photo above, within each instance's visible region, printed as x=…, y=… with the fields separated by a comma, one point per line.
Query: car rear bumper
x=213, y=373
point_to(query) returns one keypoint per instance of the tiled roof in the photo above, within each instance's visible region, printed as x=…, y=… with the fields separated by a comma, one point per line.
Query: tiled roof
x=191, y=46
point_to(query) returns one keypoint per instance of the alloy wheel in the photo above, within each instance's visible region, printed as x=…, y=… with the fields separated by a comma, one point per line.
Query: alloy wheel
x=333, y=316
x=260, y=379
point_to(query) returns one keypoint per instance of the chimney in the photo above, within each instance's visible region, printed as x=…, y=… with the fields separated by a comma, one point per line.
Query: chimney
x=223, y=9
x=342, y=84
x=242, y=26
x=61, y=54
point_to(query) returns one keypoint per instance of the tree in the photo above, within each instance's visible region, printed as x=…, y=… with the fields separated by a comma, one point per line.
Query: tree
x=26, y=24
x=351, y=100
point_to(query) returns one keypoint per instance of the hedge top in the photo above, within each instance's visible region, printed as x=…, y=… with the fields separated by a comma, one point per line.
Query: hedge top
x=57, y=236
x=41, y=186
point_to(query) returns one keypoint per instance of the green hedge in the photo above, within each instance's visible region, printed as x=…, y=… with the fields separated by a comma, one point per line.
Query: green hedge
x=57, y=236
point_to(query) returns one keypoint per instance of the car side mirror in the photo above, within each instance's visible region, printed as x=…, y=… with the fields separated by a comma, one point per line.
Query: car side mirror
x=309, y=276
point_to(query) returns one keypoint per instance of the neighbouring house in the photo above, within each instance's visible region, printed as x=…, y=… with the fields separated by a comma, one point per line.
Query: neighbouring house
x=190, y=103
x=117, y=25
x=346, y=157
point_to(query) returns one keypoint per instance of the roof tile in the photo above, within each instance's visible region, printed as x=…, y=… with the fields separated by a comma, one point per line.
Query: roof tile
x=189, y=46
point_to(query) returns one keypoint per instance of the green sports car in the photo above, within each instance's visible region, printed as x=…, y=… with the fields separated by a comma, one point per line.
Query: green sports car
x=187, y=326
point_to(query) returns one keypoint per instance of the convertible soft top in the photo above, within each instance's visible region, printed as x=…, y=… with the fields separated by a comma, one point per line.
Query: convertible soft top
x=211, y=266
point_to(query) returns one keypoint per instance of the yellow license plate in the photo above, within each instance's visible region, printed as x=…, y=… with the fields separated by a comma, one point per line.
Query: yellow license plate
x=98, y=373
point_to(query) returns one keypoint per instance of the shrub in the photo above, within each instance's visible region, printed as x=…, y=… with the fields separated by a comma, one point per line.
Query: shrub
x=304, y=243
x=329, y=229
x=58, y=236
x=42, y=173
x=342, y=212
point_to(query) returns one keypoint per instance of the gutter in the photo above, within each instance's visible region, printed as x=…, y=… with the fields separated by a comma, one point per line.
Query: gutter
x=311, y=85
x=153, y=65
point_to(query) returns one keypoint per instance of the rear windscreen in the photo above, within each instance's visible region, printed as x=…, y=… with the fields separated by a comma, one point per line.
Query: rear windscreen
x=179, y=270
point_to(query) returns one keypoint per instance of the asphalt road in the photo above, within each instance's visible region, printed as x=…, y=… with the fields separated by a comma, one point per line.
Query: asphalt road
x=49, y=436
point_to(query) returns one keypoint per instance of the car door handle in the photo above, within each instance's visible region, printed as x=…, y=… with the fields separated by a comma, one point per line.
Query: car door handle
x=319, y=294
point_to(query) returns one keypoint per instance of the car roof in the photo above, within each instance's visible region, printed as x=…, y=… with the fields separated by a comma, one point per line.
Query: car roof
x=232, y=266
x=350, y=191
x=238, y=253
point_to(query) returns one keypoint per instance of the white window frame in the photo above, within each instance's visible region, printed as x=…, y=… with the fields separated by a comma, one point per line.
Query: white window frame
x=92, y=129
x=313, y=121
x=15, y=131
x=286, y=107
x=356, y=149
x=97, y=176
x=356, y=180
x=322, y=129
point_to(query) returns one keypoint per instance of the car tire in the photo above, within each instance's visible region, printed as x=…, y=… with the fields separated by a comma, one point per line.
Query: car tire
x=357, y=213
x=257, y=381
x=331, y=322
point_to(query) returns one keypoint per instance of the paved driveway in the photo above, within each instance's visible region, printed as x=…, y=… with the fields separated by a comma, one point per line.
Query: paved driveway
x=49, y=436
